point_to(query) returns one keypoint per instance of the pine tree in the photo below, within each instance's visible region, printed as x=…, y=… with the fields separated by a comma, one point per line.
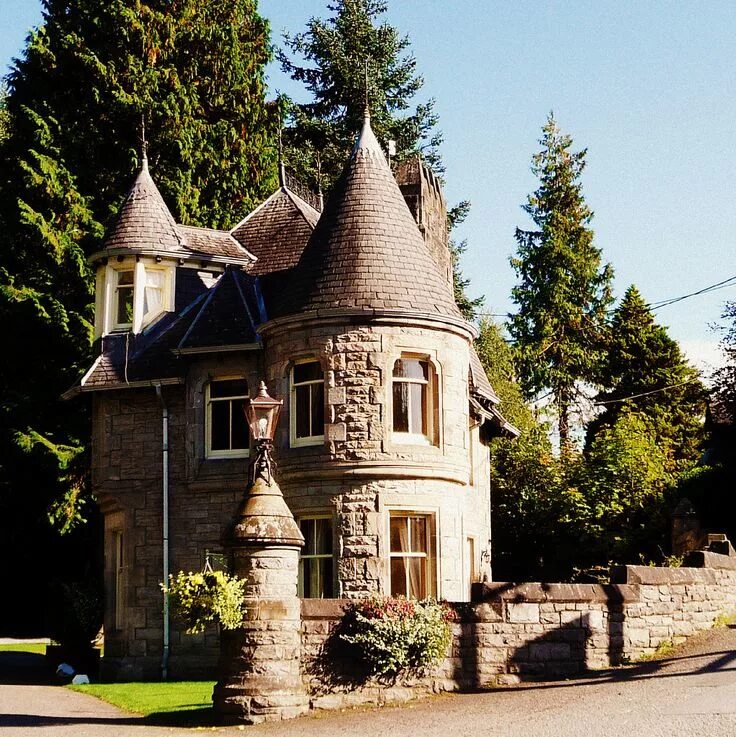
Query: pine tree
x=467, y=305
x=564, y=289
x=644, y=371
x=329, y=58
x=194, y=71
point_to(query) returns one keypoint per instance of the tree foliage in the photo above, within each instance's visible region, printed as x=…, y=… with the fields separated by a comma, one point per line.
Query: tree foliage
x=69, y=147
x=645, y=371
x=329, y=59
x=468, y=306
x=563, y=290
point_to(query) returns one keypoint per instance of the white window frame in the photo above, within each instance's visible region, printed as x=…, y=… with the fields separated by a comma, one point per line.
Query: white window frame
x=232, y=453
x=115, y=294
x=432, y=439
x=316, y=556
x=431, y=557
x=294, y=441
x=108, y=301
x=167, y=302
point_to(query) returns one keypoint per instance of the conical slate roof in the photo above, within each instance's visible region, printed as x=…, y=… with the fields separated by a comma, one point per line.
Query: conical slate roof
x=366, y=252
x=144, y=221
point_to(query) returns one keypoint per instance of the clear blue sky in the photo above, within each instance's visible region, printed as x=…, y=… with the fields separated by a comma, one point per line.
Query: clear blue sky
x=649, y=88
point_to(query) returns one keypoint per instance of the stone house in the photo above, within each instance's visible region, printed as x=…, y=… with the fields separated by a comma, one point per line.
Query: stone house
x=348, y=315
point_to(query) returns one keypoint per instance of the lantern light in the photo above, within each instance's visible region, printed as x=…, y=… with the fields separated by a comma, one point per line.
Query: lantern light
x=262, y=413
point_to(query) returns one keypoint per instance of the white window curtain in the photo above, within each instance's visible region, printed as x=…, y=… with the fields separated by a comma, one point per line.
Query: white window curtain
x=154, y=293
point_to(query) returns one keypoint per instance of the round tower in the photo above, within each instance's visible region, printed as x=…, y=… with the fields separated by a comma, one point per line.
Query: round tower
x=377, y=454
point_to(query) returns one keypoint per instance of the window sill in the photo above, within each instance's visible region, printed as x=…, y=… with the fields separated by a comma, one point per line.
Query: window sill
x=407, y=438
x=306, y=442
x=228, y=455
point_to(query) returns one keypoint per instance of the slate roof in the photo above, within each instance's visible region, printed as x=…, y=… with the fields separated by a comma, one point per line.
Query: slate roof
x=227, y=314
x=277, y=231
x=144, y=221
x=479, y=379
x=366, y=252
x=213, y=243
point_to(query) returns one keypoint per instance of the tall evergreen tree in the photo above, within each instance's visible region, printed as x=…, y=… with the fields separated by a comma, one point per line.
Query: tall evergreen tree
x=329, y=59
x=644, y=371
x=194, y=71
x=564, y=289
x=469, y=306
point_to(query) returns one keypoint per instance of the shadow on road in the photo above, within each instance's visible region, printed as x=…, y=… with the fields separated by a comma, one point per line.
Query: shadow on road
x=22, y=668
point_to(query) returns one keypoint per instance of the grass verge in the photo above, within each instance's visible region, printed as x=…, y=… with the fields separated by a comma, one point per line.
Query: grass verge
x=174, y=703
x=24, y=647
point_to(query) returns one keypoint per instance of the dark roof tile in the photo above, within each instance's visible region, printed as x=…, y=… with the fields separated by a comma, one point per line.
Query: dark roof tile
x=366, y=251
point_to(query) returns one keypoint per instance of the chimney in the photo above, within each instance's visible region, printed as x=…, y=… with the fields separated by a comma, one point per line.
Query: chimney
x=423, y=194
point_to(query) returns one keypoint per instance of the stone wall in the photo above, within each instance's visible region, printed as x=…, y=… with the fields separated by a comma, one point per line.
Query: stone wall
x=511, y=632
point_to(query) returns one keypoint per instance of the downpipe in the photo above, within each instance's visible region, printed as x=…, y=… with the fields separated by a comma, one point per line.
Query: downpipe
x=165, y=529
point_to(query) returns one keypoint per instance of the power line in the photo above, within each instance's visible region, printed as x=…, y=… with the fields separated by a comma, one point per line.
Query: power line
x=646, y=394
x=730, y=282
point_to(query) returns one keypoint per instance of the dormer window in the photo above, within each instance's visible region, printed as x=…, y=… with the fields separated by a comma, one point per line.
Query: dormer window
x=123, y=301
x=134, y=294
x=154, y=294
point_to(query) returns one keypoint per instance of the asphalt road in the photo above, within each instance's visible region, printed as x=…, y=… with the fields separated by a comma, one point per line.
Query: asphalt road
x=692, y=693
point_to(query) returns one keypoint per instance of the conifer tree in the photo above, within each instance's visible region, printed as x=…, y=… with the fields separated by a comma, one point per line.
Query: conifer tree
x=194, y=71
x=329, y=58
x=564, y=289
x=644, y=371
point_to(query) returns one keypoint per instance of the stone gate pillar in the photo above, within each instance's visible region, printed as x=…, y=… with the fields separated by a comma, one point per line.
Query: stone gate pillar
x=259, y=670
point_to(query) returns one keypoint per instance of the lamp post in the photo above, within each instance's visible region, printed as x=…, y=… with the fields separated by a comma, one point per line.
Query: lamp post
x=262, y=414
x=260, y=678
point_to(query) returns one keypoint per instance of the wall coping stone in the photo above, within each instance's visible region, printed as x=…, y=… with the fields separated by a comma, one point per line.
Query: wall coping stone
x=649, y=575
x=554, y=592
x=706, y=559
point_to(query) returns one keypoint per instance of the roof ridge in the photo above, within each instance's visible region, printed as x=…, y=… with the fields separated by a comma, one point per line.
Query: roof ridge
x=210, y=296
x=299, y=202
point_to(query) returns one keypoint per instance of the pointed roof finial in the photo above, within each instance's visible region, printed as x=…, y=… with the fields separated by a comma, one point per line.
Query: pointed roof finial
x=282, y=169
x=320, y=196
x=144, y=143
x=367, y=109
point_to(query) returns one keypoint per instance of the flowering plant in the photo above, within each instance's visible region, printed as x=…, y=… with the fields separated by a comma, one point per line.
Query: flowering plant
x=200, y=598
x=395, y=634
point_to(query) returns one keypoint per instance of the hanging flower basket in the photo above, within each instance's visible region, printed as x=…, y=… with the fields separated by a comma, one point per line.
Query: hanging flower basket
x=198, y=599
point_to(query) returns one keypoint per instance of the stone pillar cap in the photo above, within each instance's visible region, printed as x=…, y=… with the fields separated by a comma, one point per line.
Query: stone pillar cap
x=264, y=519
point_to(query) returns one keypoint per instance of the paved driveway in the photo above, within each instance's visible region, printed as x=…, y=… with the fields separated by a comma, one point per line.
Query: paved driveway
x=693, y=693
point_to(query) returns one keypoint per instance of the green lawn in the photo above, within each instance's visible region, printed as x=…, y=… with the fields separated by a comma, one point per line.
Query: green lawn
x=175, y=702
x=24, y=647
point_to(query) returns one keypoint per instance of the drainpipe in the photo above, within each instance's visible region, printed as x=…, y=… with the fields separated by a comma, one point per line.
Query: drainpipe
x=165, y=530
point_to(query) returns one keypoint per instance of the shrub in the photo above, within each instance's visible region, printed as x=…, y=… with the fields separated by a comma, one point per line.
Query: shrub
x=200, y=598
x=74, y=613
x=393, y=635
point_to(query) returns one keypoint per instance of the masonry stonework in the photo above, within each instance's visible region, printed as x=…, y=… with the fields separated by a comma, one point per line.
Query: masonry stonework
x=515, y=632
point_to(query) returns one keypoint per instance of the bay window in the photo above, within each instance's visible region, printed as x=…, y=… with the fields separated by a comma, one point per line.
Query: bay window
x=412, y=555
x=133, y=294
x=415, y=400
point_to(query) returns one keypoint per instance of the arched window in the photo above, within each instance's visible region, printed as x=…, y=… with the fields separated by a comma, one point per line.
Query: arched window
x=226, y=430
x=415, y=399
